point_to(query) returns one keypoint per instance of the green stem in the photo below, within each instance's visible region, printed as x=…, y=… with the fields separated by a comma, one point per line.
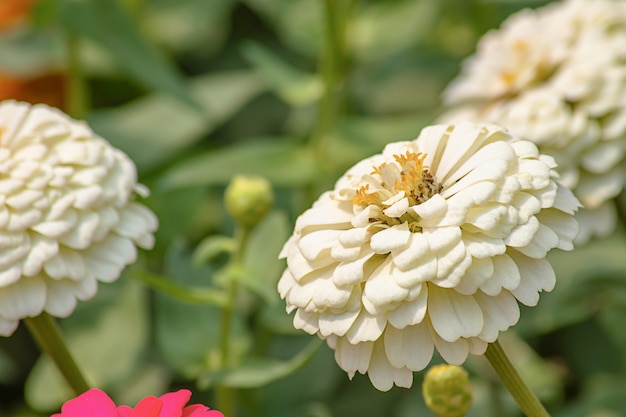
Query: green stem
x=527, y=401
x=77, y=91
x=226, y=395
x=332, y=68
x=48, y=336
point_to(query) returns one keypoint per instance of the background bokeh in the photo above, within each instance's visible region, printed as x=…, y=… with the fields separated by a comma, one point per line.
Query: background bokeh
x=198, y=91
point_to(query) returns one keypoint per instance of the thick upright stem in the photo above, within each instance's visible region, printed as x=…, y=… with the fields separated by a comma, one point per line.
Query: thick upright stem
x=226, y=395
x=332, y=68
x=47, y=335
x=528, y=402
x=77, y=91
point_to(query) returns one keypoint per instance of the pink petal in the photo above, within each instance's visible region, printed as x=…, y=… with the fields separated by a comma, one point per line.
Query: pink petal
x=148, y=407
x=124, y=411
x=174, y=402
x=199, y=410
x=93, y=403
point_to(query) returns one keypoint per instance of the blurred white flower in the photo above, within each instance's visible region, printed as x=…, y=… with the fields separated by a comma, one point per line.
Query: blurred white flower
x=67, y=215
x=428, y=245
x=557, y=76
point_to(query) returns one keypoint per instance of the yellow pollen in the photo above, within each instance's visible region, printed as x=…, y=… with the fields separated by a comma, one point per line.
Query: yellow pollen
x=508, y=78
x=415, y=180
x=363, y=198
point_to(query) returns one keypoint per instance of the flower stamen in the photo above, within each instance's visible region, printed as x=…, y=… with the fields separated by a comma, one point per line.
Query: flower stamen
x=405, y=178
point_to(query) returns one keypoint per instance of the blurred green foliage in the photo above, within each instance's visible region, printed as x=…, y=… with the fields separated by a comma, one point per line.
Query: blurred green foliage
x=198, y=91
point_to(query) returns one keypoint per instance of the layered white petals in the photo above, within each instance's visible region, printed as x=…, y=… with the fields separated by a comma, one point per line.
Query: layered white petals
x=67, y=216
x=429, y=245
x=556, y=76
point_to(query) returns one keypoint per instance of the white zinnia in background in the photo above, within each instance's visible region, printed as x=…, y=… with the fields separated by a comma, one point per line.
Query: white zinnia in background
x=67, y=216
x=557, y=76
x=428, y=245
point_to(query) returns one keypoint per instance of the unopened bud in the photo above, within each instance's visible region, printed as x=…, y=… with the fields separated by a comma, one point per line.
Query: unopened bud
x=248, y=199
x=447, y=391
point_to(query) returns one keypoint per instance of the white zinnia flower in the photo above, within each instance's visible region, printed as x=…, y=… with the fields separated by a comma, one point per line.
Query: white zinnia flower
x=428, y=245
x=557, y=76
x=67, y=215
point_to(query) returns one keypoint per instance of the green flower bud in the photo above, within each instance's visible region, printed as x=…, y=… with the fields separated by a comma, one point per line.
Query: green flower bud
x=447, y=391
x=248, y=199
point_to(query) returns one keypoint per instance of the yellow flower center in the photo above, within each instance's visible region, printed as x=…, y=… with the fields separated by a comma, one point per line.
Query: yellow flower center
x=408, y=175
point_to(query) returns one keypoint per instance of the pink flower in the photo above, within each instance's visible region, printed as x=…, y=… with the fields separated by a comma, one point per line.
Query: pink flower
x=96, y=403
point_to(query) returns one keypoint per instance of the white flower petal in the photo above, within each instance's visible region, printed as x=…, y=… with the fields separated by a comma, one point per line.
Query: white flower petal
x=479, y=272
x=500, y=312
x=544, y=240
x=25, y=298
x=312, y=244
x=563, y=225
x=353, y=358
x=451, y=266
x=476, y=346
x=523, y=234
x=483, y=246
x=433, y=208
x=412, y=313
x=331, y=215
x=426, y=270
x=354, y=237
x=42, y=250
x=66, y=264
x=410, y=347
x=366, y=328
x=393, y=238
x=506, y=275
x=415, y=250
x=486, y=217
x=442, y=238
x=382, y=375
x=398, y=208
x=7, y=327
x=536, y=275
x=60, y=298
x=455, y=353
x=305, y=321
x=381, y=288
x=593, y=191
x=454, y=315
x=337, y=324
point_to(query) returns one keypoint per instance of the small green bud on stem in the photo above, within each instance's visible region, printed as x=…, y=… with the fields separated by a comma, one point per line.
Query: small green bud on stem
x=248, y=199
x=447, y=391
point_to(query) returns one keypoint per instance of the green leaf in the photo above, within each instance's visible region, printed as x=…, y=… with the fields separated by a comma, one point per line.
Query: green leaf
x=196, y=26
x=30, y=54
x=293, y=85
x=281, y=162
x=386, y=28
x=153, y=129
x=106, y=23
x=207, y=296
x=187, y=335
x=211, y=247
x=261, y=255
x=356, y=138
x=299, y=23
x=256, y=372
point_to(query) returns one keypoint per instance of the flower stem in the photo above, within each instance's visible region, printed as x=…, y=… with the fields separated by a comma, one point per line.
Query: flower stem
x=226, y=395
x=527, y=401
x=46, y=333
x=77, y=91
x=332, y=67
